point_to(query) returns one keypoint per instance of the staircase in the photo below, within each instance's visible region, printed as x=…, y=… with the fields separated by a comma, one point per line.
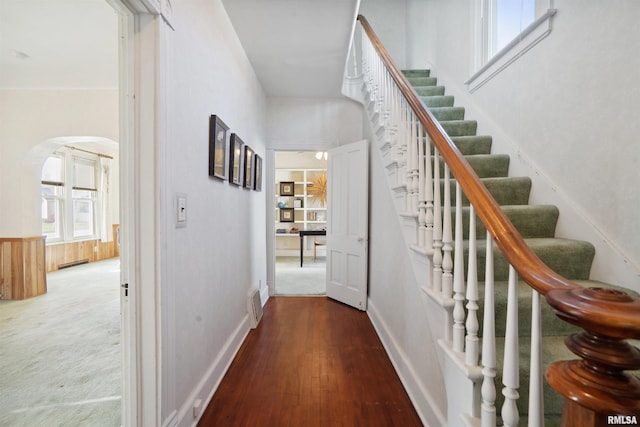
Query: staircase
x=434, y=159
x=536, y=223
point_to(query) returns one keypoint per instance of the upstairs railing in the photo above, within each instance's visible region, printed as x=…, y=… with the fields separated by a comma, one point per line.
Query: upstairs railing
x=594, y=386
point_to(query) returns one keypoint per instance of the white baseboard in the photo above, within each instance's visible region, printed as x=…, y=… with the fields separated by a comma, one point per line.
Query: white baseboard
x=422, y=401
x=212, y=377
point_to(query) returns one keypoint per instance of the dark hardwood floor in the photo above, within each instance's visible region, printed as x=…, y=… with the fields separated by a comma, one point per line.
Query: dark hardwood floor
x=312, y=361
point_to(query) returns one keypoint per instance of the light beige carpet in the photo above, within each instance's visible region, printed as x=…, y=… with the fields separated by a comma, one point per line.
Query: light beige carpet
x=60, y=352
x=291, y=279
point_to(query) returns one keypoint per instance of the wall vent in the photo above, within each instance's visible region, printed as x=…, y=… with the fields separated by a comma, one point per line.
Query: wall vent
x=254, y=306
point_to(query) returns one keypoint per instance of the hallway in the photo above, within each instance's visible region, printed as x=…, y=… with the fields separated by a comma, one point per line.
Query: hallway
x=312, y=361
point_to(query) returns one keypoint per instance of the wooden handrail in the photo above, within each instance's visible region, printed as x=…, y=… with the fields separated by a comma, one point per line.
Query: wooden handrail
x=608, y=317
x=530, y=268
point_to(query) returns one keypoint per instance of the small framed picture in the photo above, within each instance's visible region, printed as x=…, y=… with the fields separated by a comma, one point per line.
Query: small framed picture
x=286, y=188
x=235, y=159
x=257, y=171
x=218, y=137
x=248, y=167
x=286, y=214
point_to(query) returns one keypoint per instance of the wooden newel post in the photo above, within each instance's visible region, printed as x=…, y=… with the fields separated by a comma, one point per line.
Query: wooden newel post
x=597, y=390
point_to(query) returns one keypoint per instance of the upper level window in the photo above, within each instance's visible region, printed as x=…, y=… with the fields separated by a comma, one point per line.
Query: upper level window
x=504, y=31
x=507, y=19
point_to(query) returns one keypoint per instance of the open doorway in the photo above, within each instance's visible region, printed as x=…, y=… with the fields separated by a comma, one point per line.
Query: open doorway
x=300, y=222
x=65, y=343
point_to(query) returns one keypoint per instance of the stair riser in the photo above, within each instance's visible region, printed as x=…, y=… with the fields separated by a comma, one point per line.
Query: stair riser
x=571, y=259
x=447, y=113
x=429, y=90
x=460, y=127
x=437, y=101
x=416, y=73
x=469, y=145
x=506, y=191
x=422, y=81
x=486, y=166
x=530, y=221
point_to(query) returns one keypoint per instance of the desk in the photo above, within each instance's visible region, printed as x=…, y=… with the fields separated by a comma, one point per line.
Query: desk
x=303, y=233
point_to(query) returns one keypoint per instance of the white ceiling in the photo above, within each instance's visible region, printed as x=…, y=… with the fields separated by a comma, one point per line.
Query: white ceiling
x=58, y=44
x=297, y=47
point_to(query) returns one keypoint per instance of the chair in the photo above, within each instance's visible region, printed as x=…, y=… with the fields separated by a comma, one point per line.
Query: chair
x=317, y=242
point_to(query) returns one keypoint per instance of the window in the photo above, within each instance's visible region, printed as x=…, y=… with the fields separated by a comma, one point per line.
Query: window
x=51, y=211
x=52, y=194
x=504, y=31
x=69, y=206
x=84, y=197
x=508, y=18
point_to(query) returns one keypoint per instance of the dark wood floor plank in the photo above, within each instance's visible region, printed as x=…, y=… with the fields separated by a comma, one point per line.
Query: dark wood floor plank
x=312, y=361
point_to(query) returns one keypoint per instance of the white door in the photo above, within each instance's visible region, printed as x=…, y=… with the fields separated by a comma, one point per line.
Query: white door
x=347, y=223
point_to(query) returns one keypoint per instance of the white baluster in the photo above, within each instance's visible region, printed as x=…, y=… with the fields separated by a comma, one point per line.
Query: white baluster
x=510, y=373
x=428, y=186
x=437, y=224
x=488, y=389
x=447, y=258
x=472, y=350
x=415, y=181
x=402, y=148
x=409, y=160
x=422, y=203
x=447, y=239
x=458, y=277
x=536, y=400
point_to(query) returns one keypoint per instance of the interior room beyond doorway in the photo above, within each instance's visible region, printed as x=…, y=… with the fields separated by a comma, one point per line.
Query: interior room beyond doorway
x=300, y=222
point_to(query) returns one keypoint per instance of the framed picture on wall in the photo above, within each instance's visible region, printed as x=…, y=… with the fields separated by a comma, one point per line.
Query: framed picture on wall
x=248, y=168
x=257, y=168
x=235, y=159
x=286, y=214
x=218, y=137
x=286, y=188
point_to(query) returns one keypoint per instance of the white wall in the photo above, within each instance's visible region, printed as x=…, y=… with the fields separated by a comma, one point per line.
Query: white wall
x=389, y=20
x=567, y=113
x=29, y=118
x=312, y=123
x=408, y=323
x=208, y=266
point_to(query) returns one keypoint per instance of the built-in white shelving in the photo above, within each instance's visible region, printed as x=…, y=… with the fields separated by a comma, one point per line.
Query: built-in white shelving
x=299, y=211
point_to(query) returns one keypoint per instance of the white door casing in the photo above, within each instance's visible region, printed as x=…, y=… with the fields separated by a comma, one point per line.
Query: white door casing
x=348, y=224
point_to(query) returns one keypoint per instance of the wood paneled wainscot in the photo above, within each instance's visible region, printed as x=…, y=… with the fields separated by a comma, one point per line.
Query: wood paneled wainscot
x=22, y=267
x=66, y=254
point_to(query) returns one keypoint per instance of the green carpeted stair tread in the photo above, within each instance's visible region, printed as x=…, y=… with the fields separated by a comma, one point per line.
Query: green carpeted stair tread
x=447, y=113
x=484, y=165
x=473, y=144
x=437, y=101
x=417, y=81
x=460, y=127
x=429, y=90
x=530, y=220
x=567, y=257
x=416, y=73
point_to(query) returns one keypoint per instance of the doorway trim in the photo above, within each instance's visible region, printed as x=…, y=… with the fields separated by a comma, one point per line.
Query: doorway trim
x=138, y=59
